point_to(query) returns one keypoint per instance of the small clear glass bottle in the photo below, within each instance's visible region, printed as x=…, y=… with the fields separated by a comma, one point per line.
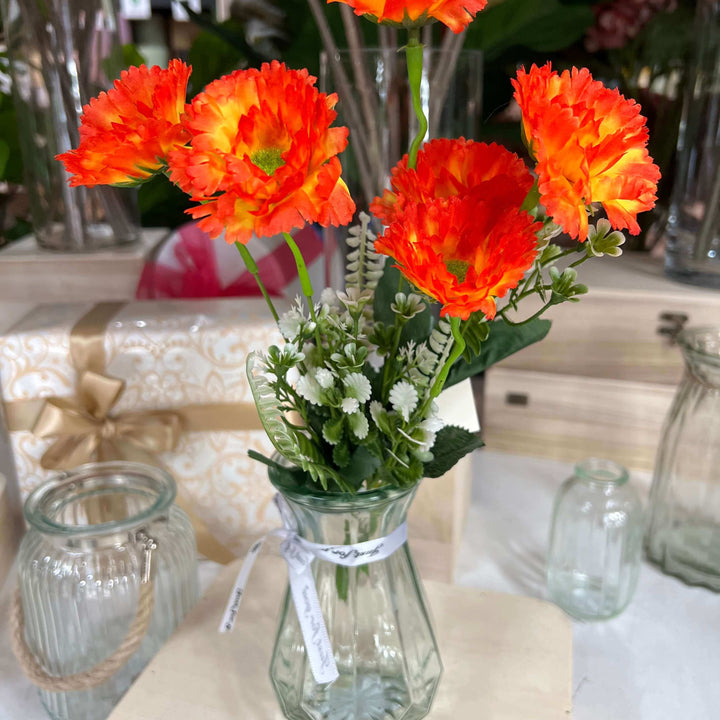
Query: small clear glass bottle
x=595, y=542
x=80, y=567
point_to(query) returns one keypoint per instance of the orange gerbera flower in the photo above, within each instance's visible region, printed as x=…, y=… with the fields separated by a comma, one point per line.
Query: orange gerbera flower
x=127, y=132
x=446, y=168
x=590, y=144
x=462, y=251
x=456, y=14
x=263, y=157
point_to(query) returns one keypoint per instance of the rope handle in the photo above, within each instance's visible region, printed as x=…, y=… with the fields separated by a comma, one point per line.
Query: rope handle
x=103, y=670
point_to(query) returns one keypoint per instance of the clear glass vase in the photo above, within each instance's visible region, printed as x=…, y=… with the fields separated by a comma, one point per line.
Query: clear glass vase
x=375, y=103
x=63, y=53
x=692, y=243
x=376, y=616
x=80, y=568
x=595, y=542
x=683, y=534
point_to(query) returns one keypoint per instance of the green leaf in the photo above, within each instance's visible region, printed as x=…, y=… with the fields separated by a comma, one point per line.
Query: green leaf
x=121, y=57
x=362, y=466
x=4, y=156
x=13, y=169
x=162, y=204
x=216, y=52
x=341, y=455
x=504, y=340
x=542, y=25
x=419, y=327
x=289, y=477
x=451, y=444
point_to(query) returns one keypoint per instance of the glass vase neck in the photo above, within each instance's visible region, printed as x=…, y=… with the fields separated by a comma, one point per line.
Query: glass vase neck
x=343, y=519
x=701, y=350
x=100, y=501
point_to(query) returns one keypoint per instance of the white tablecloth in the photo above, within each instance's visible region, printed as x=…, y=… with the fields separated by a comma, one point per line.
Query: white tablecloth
x=660, y=660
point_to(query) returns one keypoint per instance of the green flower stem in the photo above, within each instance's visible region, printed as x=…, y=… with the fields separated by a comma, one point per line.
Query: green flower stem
x=305, y=283
x=399, y=324
x=253, y=270
x=414, y=56
x=579, y=261
x=302, y=269
x=457, y=351
x=534, y=316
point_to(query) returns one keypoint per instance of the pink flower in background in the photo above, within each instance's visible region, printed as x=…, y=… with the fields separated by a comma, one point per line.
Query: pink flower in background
x=618, y=22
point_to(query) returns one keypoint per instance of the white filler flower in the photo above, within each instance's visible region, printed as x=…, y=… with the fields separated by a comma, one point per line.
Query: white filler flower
x=403, y=398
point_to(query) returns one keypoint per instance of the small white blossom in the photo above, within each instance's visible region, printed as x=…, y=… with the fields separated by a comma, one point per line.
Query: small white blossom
x=357, y=386
x=350, y=405
x=375, y=410
x=430, y=427
x=292, y=376
x=290, y=352
x=309, y=389
x=329, y=297
x=290, y=323
x=403, y=398
x=324, y=377
x=359, y=425
x=376, y=361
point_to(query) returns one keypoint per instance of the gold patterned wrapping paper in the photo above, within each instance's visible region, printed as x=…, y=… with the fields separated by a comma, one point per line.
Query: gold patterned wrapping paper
x=180, y=353
x=170, y=354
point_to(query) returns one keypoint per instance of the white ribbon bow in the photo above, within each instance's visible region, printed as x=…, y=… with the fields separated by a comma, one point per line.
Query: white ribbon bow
x=299, y=555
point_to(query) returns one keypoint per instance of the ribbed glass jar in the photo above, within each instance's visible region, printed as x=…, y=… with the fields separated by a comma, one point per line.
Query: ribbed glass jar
x=376, y=617
x=683, y=535
x=80, y=569
x=595, y=542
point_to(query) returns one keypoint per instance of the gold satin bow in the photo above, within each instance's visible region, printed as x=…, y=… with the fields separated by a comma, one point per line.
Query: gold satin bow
x=86, y=431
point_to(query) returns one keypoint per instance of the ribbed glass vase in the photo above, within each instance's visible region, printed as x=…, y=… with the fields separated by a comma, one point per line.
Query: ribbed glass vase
x=80, y=567
x=683, y=535
x=376, y=615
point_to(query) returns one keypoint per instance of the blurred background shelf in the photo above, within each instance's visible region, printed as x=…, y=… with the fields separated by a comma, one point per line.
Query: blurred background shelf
x=603, y=380
x=29, y=274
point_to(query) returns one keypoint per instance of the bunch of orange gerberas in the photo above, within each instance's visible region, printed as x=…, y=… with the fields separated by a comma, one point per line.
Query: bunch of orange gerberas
x=257, y=152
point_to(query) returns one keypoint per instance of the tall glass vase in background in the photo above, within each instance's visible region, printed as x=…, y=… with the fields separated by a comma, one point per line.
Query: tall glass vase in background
x=683, y=534
x=692, y=241
x=376, y=616
x=374, y=102
x=62, y=53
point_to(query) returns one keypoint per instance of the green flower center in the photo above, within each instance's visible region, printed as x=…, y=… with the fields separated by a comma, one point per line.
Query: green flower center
x=459, y=268
x=268, y=159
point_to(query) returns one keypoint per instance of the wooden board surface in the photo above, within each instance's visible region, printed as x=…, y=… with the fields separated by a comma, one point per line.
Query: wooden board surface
x=29, y=274
x=572, y=417
x=506, y=657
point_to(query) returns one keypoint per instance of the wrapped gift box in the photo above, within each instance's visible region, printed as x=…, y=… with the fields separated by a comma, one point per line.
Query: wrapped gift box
x=176, y=354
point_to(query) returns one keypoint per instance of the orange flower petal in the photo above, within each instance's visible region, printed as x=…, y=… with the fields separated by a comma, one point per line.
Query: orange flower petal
x=590, y=144
x=455, y=226
x=262, y=157
x=456, y=14
x=127, y=132
x=446, y=168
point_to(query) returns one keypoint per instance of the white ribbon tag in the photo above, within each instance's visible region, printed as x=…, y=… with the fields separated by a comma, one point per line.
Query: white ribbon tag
x=299, y=555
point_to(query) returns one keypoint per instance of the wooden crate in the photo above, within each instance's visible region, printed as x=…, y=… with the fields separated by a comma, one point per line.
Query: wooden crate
x=569, y=417
x=603, y=380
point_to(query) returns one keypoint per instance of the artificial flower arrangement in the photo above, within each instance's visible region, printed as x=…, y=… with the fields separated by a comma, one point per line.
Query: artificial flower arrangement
x=349, y=399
